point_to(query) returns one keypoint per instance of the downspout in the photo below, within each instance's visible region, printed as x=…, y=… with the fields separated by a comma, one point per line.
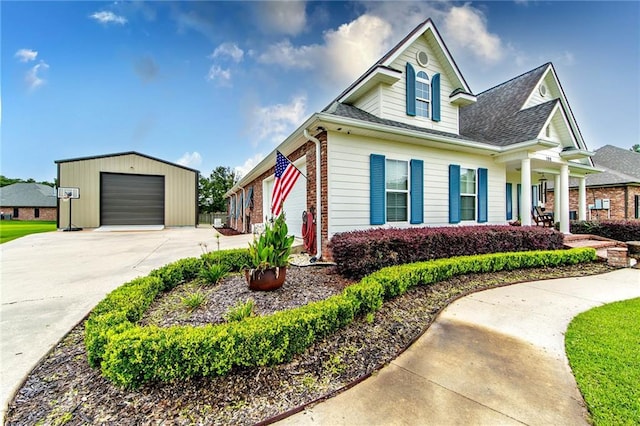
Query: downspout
x=244, y=201
x=318, y=193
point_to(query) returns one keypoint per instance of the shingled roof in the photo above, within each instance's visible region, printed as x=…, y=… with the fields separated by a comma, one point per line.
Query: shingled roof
x=618, y=159
x=28, y=195
x=349, y=111
x=496, y=117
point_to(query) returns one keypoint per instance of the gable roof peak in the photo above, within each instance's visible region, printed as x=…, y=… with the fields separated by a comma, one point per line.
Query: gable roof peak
x=540, y=70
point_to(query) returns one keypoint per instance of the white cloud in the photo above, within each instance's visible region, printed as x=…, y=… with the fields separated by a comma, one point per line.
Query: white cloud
x=354, y=47
x=282, y=17
x=274, y=123
x=346, y=53
x=249, y=164
x=26, y=55
x=190, y=159
x=287, y=55
x=33, y=77
x=228, y=49
x=466, y=27
x=219, y=75
x=106, y=17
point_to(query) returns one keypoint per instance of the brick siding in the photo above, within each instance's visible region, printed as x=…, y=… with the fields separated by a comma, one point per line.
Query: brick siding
x=28, y=213
x=256, y=215
x=621, y=201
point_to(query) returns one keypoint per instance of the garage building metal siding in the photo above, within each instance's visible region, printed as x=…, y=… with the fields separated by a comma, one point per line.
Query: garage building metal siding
x=180, y=186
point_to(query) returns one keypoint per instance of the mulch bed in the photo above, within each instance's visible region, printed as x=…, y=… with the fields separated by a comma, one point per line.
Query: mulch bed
x=64, y=389
x=227, y=232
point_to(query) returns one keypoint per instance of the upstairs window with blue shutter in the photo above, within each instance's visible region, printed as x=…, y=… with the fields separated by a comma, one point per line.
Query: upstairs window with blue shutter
x=422, y=94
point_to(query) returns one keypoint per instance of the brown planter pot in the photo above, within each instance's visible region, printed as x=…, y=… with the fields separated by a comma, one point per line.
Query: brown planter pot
x=265, y=279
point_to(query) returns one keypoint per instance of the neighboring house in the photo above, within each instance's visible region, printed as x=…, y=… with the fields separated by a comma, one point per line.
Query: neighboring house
x=28, y=201
x=128, y=188
x=409, y=144
x=614, y=193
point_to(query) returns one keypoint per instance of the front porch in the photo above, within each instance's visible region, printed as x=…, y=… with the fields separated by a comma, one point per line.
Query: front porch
x=535, y=172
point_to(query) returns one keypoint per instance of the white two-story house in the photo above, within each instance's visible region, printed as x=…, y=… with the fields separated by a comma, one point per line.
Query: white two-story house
x=408, y=144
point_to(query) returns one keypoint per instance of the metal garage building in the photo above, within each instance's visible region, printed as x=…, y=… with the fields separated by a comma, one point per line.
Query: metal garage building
x=127, y=188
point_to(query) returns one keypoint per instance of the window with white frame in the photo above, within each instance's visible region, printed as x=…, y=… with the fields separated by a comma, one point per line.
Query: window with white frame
x=422, y=94
x=397, y=190
x=467, y=194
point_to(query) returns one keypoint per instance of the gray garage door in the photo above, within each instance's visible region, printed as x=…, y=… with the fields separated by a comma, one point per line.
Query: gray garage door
x=131, y=199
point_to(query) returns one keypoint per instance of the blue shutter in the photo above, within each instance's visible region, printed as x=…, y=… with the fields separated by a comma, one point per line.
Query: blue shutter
x=509, y=200
x=247, y=203
x=483, y=177
x=411, y=90
x=454, y=193
x=232, y=210
x=239, y=206
x=435, y=97
x=417, y=190
x=377, y=189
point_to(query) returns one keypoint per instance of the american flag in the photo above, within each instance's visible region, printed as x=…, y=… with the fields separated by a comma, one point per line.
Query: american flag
x=286, y=176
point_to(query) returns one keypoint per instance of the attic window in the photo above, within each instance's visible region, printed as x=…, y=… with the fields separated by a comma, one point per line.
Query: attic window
x=543, y=90
x=422, y=58
x=547, y=131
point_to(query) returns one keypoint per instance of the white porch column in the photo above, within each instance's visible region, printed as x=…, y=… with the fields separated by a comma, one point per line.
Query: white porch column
x=563, y=218
x=556, y=198
x=582, y=199
x=525, y=197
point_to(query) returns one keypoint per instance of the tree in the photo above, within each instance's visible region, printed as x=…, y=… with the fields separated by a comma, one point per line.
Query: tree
x=4, y=181
x=212, y=189
x=636, y=147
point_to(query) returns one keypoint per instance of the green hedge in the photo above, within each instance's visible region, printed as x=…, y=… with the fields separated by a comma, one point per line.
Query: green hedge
x=130, y=355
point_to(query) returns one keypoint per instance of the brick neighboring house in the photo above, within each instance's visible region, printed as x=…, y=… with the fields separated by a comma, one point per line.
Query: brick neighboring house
x=28, y=201
x=408, y=144
x=619, y=183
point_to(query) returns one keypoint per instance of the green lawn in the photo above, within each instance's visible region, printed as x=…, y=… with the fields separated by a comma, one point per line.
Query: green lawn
x=12, y=229
x=603, y=347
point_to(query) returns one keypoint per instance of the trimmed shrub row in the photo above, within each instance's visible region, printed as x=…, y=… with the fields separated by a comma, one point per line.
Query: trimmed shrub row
x=620, y=230
x=362, y=252
x=125, y=305
x=130, y=355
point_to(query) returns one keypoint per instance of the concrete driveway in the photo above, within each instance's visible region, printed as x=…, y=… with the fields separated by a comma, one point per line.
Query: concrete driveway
x=50, y=281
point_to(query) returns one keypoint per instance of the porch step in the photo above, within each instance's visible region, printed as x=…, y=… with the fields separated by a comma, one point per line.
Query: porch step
x=601, y=244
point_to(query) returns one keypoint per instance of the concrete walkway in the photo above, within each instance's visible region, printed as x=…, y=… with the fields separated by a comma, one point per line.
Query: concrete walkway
x=494, y=357
x=50, y=281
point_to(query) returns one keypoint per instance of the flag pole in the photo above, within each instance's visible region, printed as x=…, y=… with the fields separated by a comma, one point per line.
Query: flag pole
x=294, y=166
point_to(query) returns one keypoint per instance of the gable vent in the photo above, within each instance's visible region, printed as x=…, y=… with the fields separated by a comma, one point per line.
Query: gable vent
x=422, y=57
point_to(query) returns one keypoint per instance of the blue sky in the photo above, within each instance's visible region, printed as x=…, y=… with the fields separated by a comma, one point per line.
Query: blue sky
x=210, y=84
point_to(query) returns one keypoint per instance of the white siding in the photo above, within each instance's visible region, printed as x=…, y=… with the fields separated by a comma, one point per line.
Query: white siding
x=394, y=105
x=348, y=181
x=553, y=92
x=370, y=102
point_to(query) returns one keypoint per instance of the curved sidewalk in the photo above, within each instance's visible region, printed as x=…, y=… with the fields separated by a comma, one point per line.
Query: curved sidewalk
x=494, y=357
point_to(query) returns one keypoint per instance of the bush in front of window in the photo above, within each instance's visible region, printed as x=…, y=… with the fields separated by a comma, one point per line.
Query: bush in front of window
x=360, y=253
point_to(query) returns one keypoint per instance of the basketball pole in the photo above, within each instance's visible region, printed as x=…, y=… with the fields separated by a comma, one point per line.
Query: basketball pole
x=69, y=227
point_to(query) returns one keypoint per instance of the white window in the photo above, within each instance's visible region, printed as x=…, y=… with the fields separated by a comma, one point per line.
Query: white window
x=397, y=190
x=422, y=94
x=467, y=194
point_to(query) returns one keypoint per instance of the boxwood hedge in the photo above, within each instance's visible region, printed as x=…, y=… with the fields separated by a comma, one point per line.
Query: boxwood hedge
x=130, y=355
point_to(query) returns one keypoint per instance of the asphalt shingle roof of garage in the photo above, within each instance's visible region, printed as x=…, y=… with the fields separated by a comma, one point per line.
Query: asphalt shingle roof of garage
x=28, y=195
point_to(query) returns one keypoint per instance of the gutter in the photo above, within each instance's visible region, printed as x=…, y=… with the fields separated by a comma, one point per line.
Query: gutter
x=318, y=193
